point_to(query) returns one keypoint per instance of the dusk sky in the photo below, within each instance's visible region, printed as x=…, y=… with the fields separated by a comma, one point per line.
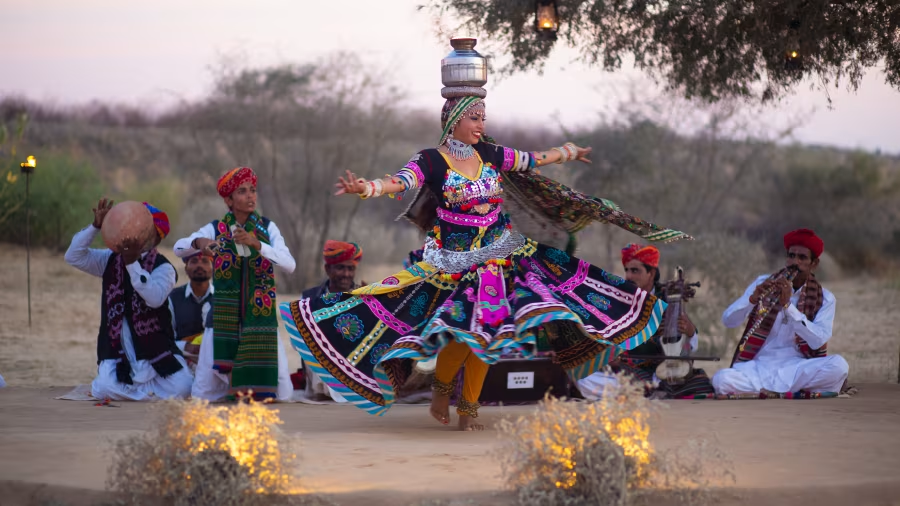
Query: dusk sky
x=154, y=53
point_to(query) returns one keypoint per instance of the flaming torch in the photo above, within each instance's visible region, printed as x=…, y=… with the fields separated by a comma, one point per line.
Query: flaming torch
x=27, y=168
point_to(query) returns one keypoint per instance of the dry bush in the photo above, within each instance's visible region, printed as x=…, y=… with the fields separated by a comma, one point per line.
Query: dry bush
x=197, y=454
x=575, y=453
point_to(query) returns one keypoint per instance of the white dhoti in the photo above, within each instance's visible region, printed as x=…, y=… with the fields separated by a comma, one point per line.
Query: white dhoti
x=779, y=366
x=824, y=374
x=211, y=385
x=592, y=386
x=147, y=384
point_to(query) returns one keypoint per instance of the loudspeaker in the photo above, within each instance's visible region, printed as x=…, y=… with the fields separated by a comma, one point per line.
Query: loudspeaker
x=519, y=380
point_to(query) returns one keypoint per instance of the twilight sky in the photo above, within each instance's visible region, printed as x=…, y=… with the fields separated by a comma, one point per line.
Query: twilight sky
x=152, y=53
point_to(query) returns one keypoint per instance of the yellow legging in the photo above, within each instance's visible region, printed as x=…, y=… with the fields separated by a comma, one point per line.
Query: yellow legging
x=449, y=360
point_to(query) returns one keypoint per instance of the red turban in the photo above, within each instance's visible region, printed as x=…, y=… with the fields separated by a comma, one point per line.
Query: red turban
x=336, y=252
x=233, y=178
x=806, y=238
x=160, y=220
x=648, y=255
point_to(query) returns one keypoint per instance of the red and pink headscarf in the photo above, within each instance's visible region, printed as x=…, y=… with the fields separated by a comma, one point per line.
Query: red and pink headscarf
x=232, y=179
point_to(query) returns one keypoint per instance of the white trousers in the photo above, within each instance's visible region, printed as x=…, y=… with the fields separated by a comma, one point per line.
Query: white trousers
x=211, y=385
x=824, y=374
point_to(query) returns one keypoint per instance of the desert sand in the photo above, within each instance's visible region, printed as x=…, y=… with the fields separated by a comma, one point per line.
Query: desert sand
x=827, y=452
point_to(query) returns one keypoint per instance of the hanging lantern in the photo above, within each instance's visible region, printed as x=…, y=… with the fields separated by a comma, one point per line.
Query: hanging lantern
x=793, y=55
x=546, y=19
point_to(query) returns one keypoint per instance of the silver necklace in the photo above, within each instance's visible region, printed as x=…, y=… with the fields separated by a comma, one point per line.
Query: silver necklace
x=460, y=150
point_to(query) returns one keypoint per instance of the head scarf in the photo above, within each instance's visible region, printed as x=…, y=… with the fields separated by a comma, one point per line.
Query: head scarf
x=336, y=252
x=454, y=109
x=160, y=220
x=806, y=238
x=647, y=255
x=233, y=178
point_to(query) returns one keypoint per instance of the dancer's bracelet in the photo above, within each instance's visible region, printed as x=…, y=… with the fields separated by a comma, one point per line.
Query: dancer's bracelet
x=368, y=189
x=567, y=152
x=373, y=188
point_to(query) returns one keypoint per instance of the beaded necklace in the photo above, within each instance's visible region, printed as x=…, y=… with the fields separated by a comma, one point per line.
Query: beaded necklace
x=460, y=150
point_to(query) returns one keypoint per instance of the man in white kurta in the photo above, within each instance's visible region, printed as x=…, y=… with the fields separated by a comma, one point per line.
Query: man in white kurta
x=238, y=188
x=780, y=365
x=153, y=288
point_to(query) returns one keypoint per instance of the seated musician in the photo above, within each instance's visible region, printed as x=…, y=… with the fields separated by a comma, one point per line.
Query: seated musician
x=786, y=352
x=642, y=268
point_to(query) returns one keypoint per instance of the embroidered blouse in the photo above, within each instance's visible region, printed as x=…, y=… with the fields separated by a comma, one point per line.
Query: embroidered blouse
x=469, y=218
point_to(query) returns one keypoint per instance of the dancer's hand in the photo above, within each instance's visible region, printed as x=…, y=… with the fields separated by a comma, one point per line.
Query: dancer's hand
x=103, y=207
x=350, y=184
x=583, y=153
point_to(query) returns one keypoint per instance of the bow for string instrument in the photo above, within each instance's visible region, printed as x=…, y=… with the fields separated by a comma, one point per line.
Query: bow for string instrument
x=676, y=347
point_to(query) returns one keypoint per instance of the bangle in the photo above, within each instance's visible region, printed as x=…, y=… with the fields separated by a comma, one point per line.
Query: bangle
x=377, y=188
x=563, y=156
x=567, y=152
x=367, y=192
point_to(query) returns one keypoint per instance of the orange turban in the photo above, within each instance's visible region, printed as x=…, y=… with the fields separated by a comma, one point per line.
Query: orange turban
x=336, y=252
x=806, y=238
x=233, y=178
x=648, y=255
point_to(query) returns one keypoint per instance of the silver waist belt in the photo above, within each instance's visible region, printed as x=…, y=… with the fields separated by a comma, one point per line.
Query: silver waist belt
x=459, y=261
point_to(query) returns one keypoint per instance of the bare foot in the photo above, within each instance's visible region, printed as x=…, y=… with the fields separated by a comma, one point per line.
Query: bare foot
x=467, y=423
x=440, y=408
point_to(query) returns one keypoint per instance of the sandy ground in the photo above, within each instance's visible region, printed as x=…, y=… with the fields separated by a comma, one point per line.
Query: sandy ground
x=838, y=451
x=784, y=452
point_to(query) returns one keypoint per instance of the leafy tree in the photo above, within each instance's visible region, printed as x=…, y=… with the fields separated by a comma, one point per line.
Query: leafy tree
x=711, y=49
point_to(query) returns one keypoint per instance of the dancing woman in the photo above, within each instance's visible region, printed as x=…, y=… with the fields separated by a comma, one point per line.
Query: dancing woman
x=483, y=289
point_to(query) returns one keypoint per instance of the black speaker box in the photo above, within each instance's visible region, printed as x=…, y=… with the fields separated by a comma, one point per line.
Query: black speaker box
x=519, y=380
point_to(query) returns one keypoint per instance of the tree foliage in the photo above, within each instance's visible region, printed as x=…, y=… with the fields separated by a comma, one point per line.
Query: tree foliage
x=711, y=49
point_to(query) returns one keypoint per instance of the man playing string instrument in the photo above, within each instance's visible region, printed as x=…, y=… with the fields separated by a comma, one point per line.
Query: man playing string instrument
x=641, y=265
x=789, y=324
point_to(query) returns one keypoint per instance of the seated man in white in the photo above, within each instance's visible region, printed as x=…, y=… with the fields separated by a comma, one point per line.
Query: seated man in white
x=787, y=350
x=240, y=351
x=136, y=353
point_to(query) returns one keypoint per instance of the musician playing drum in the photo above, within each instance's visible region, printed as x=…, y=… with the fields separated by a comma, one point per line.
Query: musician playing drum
x=789, y=322
x=641, y=265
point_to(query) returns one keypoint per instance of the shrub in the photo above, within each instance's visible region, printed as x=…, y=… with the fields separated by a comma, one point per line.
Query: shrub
x=197, y=454
x=576, y=453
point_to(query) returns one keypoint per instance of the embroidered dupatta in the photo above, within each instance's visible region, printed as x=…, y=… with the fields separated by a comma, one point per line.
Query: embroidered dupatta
x=245, y=324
